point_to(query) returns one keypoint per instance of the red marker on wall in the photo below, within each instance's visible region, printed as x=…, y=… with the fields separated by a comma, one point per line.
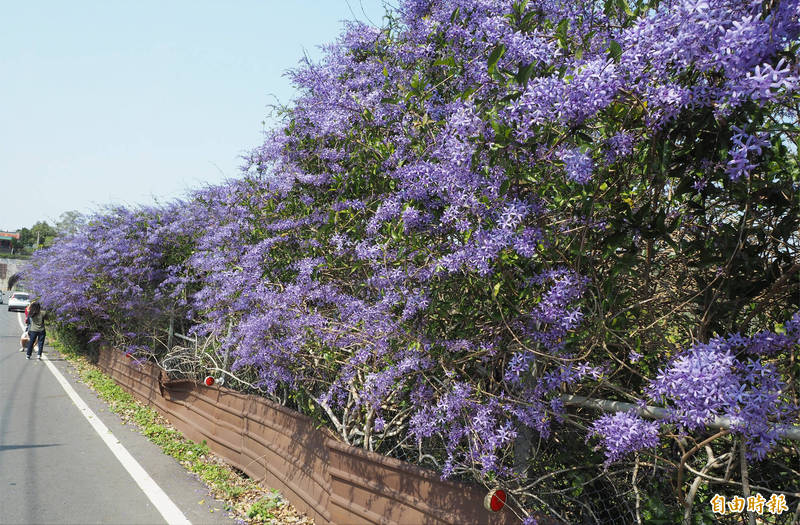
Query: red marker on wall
x=495, y=500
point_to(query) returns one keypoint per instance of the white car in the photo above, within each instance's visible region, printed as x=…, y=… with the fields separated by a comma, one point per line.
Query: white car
x=18, y=301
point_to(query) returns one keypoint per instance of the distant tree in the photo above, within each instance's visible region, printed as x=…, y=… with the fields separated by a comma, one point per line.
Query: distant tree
x=16, y=244
x=37, y=236
x=70, y=222
x=21, y=244
x=44, y=234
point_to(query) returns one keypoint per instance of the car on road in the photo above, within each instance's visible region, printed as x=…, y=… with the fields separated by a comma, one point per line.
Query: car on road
x=18, y=301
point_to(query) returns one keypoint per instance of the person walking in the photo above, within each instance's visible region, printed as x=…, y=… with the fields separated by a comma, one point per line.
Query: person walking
x=36, y=331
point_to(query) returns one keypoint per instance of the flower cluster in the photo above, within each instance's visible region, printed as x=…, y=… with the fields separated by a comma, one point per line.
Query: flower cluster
x=709, y=381
x=624, y=432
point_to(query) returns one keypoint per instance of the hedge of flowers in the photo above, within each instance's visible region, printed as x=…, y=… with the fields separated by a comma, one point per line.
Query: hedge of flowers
x=480, y=207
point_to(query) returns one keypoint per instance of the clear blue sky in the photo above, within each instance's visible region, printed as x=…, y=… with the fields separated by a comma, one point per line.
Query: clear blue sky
x=117, y=102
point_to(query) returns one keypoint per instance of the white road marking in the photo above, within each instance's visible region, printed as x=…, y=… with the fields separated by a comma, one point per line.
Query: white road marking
x=162, y=502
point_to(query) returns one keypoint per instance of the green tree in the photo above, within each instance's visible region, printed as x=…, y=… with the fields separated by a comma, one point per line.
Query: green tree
x=39, y=235
x=70, y=222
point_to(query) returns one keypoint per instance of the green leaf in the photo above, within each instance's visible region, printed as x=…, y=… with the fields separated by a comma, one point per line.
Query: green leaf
x=623, y=6
x=583, y=137
x=496, y=290
x=528, y=21
x=448, y=61
x=561, y=33
x=614, y=50
x=524, y=73
x=468, y=93
x=498, y=51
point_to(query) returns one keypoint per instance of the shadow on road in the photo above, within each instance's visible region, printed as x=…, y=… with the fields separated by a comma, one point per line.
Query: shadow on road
x=17, y=447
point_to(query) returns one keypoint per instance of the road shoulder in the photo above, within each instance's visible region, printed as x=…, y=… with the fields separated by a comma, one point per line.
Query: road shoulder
x=189, y=493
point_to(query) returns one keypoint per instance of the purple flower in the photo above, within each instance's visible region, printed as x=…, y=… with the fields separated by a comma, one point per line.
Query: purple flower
x=578, y=165
x=624, y=432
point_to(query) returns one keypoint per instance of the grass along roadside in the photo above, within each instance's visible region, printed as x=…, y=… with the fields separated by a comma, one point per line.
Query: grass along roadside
x=244, y=498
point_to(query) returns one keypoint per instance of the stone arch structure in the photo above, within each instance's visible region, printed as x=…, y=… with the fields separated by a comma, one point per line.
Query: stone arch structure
x=10, y=273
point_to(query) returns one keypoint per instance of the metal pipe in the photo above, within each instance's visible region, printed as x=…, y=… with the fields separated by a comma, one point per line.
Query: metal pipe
x=170, y=332
x=719, y=422
x=181, y=336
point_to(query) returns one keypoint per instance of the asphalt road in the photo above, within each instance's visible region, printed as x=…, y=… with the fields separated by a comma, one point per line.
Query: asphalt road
x=56, y=468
